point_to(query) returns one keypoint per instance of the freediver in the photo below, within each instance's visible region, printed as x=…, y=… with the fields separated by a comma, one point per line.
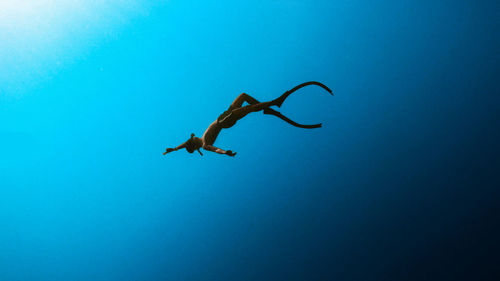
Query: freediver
x=234, y=113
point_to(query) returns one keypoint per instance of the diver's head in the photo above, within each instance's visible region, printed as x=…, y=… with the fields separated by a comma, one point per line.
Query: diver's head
x=193, y=143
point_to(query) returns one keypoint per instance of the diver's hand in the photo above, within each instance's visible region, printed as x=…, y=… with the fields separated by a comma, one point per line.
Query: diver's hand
x=169, y=150
x=230, y=153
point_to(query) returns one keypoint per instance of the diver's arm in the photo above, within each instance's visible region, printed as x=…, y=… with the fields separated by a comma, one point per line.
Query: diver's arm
x=218, y=150
x=174, y=149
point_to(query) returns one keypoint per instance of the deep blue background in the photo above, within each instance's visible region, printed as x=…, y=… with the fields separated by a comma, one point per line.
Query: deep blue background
x=399, y=184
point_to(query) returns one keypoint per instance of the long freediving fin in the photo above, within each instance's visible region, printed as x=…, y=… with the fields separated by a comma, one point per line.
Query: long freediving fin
x=271, y=111
x=279, y=101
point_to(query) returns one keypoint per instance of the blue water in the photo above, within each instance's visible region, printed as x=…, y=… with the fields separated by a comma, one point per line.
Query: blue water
x=399, y=184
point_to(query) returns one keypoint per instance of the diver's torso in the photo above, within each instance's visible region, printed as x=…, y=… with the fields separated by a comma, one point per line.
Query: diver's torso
x=211, y=133
x=224, y=121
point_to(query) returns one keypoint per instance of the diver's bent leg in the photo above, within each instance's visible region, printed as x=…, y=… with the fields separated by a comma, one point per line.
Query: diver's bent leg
x=279, y=101
x=241, y=112
x=238, y=102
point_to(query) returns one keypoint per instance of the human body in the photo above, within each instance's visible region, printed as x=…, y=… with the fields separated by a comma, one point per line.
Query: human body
x=235, y=112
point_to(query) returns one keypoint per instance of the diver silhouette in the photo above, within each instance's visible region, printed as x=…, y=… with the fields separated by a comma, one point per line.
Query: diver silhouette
x=234, y=113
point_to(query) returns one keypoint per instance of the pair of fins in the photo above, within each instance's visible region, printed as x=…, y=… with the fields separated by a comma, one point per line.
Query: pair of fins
x=279, y=101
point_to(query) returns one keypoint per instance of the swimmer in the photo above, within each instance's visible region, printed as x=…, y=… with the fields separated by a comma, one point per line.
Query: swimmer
x=235, y=112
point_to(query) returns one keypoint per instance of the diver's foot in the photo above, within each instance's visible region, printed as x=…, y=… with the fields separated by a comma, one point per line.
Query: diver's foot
x=279, y=101
x=268, y=110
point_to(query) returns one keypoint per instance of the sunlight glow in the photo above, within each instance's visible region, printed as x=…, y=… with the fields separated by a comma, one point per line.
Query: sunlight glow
x=30, y=14
x=32, y=18
x=39, y=37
